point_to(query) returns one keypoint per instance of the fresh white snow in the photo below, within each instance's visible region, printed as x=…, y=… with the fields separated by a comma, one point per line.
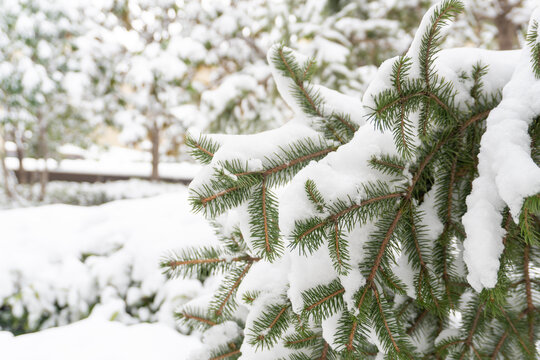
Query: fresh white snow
x=507, y=173
x=78, y=256
x=98, y=339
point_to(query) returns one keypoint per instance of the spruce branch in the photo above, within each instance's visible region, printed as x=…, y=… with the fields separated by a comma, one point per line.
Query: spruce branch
x=302, y=340
x=516, y=332
x=390, y=327
x=504, y=337
x=388, y=164
x=431, y=39
x=473, y=324
x=534, y=44
x=323, y=300
x=308, y=234
x=227, y=354
x=338, y=249
x=478, y=73
x=308, y=99
x=528, y=291
x=213, y=202
x=270, y=325
x=264, y=228
x=314, y=195
x=195, y=318
x=191, y=262
x=223, y=304
x=414, y=244
x=202, y=149
x=417, y=322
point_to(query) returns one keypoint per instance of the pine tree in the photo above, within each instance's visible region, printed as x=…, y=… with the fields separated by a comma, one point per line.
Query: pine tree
x=405, y=227
x=39, y=76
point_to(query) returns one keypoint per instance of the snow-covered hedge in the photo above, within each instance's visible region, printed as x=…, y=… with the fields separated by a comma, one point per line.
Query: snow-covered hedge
x=59, y=263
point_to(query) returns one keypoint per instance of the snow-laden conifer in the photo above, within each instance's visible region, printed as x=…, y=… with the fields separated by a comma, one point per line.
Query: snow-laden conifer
x=361, y=229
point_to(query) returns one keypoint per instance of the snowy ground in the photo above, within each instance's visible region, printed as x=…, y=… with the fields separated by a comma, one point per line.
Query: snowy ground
x=93, y=339
x=62, y=263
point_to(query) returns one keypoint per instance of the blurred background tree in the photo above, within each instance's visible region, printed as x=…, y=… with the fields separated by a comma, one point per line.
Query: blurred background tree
x=139, y=73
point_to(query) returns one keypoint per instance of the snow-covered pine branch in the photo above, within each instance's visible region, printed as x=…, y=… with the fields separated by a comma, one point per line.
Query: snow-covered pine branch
x=360, y=237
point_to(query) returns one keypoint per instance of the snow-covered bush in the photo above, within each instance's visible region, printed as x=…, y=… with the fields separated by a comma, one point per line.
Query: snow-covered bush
x=61, y=263
x=402, y=227
x=91, y=194
x=39, y=107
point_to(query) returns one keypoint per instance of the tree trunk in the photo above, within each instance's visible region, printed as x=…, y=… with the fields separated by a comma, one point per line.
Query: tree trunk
x=43, y=149
x=506, y=33
x=5, y=171
x=154, y=137
x=21, y=173
x=506, y=29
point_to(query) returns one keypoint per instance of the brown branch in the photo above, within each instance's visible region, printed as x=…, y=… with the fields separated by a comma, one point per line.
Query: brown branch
x=398, y=77
x=451, y=343
x=309, y=231
x=499, y=345
x=399, y=100
x=473, y=119
x=514, y=329
x=473, y=329
x=347, y=210
x=265, y=217
x=404, y=308
x=528, y=290
x=446, y=278
x=350, y=345
x=299, y=83
x=387, y=277
x=312, y=196
x=224, y=356
x=424, y=268
x=476, y=353
x=302, y=340
x=430, y=41
x=174, y=264
x=417, y=321
x=311, y=62
x=351, y=127
x=451, y=190
x=364, y=203
x=324, y=354
x=402, y=125
x=289, y=163
x=425, y=123
x=198, y=318
x=384, y=319
x=334, y=132
x=203, y=149
x=384, y=243
x=233, y=288
x=299, y=160
x=361, y=301
x=338, y=256
x=219, y=194
x=389, y=164
x=326, y=298
x=501, y=341
x=449, y=223
x=278, y=316
x=399, y=213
